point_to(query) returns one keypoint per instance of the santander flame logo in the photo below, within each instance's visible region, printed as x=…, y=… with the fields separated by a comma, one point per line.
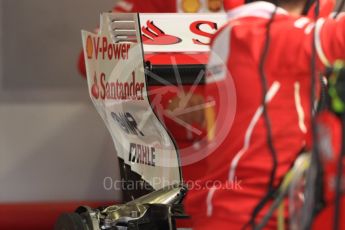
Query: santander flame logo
x=153, y=35
x=130, y=89
x=95, y=88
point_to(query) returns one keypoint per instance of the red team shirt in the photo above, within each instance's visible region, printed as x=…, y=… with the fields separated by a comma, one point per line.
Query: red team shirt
x=244, y=157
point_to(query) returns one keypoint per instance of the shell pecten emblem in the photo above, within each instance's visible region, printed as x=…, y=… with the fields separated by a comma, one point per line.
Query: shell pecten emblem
x=191, y=6
x=89, y=47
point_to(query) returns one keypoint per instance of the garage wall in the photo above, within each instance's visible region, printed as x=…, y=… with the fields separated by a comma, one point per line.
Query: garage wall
x=53, y=144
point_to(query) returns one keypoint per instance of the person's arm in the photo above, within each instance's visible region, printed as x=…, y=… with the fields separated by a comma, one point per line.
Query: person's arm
x=293, y=38
x=330, y=40
x=81, y=64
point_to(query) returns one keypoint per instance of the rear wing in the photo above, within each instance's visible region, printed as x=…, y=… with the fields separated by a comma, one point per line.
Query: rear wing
x=118, y=85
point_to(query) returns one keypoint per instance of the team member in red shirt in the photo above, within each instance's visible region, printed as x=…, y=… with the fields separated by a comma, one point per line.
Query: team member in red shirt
x=239, y=175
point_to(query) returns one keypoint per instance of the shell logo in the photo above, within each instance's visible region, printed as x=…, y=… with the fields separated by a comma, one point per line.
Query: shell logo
x=191, y=6
x=89, y=47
